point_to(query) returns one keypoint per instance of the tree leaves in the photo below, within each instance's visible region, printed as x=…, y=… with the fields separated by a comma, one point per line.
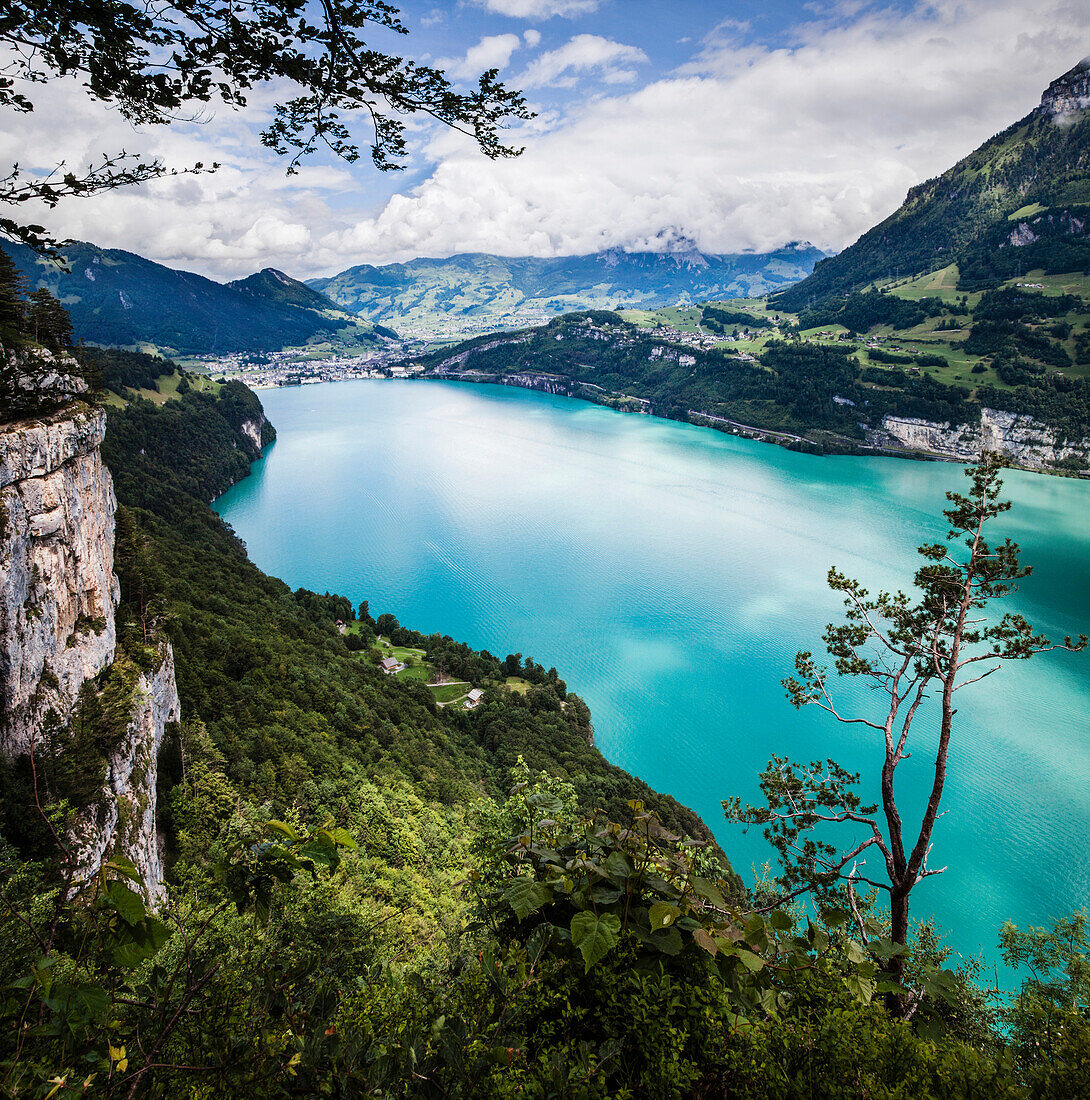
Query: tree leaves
x=594, y=935
x=526, y=896
x=663, y=914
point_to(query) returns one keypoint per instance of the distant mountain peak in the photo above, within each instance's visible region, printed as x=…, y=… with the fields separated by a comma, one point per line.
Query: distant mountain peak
x=1068, y=94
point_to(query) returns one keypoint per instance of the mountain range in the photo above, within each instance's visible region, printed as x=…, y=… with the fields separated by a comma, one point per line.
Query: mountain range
x=478, y=292
x=119, y=298
x=1020, y=202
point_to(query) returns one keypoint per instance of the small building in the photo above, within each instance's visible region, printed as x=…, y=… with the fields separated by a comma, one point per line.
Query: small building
x=341, y=626
x=473, y=698
x=390, y=665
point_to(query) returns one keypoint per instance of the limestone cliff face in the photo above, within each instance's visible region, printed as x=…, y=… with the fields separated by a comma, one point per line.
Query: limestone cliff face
x=58, y=602
x=123, y=820
x=251, y=429
x=1025, y=441
x=58, y=592
x=1068, y=94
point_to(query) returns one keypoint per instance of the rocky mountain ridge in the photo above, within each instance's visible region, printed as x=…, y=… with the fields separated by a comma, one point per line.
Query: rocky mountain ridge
x=478, y=292
x=962, y=217
x=117, y=298
x=1068, y=93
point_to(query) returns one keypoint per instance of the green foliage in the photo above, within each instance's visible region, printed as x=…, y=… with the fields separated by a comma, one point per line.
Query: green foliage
x=794, y=387
x=860, y=312
x=719, y=320
x=1058, y=244
x=37, y=372
x=909, y=649
x=321, y=935
x=132, y=301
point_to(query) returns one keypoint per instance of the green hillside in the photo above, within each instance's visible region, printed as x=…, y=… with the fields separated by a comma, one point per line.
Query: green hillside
x=825, y=378
x=478, y=293
x=1019, y=202
x=119, y=298
x=373, y=895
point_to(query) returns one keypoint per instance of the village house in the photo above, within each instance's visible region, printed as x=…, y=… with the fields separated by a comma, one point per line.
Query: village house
x=390, y=665
x=473, y=698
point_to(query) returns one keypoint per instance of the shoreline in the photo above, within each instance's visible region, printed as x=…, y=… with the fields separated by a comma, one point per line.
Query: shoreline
x=561, y=386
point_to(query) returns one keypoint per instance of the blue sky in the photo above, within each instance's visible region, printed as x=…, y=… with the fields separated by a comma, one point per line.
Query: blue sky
x=738, y=126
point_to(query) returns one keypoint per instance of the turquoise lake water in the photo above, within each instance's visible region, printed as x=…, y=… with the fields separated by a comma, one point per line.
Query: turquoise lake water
x=670, y=573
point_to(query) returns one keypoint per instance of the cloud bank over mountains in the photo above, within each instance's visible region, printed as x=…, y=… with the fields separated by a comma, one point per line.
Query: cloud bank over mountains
x=746, y=145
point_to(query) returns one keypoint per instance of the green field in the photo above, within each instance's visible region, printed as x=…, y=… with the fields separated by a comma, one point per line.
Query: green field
x=448, y=693
x=168, y=389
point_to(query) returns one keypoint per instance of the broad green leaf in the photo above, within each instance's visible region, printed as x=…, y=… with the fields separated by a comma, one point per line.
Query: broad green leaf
x=536, y=943
x=526, y=896
x=854, y=952
x=886, y=949
x=123, y=867
x=619, y=865
x=751, y=961
x=834, y=918
x=284, y=829
x=594, y=935
x=663, y=914
x=344, y=838
x=668, y=941
x=709, y=892
x=780, y=921
x=819, y=938
x=128, y=904
x=861, y=988
x=547, y=802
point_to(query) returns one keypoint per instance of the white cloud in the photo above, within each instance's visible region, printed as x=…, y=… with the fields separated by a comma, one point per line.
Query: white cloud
x=540, y=9
x=493, y=52
x=745, y=147
x=533, y=38
x=748, y=147
x=581, y=54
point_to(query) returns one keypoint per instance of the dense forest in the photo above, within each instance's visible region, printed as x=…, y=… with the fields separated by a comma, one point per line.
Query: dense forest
x=117, y=297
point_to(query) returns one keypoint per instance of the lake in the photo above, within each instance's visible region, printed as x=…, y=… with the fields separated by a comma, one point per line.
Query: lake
x=670, y=573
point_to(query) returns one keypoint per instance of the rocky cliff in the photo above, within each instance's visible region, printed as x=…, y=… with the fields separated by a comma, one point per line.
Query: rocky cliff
x=1025, y=441
x=1068, y=94
x=58, y=592
x=58, y=602
x=123, y=819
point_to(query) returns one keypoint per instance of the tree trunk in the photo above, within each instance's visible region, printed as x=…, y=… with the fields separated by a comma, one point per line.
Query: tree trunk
x=894, y=968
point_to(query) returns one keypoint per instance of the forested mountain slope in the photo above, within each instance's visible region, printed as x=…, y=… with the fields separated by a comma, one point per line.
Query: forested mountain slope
x=1018, y=203
x=119, y=298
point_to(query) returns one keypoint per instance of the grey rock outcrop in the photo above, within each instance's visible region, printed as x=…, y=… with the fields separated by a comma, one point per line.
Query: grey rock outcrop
x=58, y=592
x=123, y=820
x=1027, y=442
x=58, y=603
x=251, y=429
x=1068, y=94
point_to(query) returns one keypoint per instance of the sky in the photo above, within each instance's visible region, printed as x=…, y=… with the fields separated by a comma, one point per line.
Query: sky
x=737, y=126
